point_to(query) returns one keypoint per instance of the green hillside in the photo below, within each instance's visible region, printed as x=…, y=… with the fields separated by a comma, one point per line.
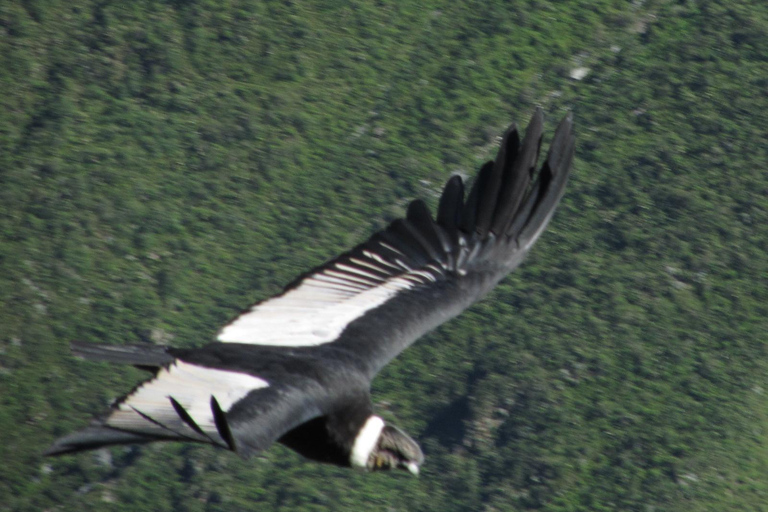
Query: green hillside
x=164, y=164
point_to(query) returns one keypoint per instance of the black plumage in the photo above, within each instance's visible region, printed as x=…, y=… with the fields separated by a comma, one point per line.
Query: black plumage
x=296, y=368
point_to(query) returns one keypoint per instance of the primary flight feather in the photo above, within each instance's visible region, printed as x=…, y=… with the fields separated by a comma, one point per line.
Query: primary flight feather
x=297, y=368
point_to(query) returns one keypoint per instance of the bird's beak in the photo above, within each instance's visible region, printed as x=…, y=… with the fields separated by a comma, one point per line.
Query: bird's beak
x=413, y=468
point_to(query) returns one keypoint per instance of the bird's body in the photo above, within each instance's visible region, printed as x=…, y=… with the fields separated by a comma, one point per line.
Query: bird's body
x=297, y=368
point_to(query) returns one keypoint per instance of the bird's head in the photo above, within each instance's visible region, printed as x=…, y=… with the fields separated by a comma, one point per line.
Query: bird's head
x=379, y=446
x=395, y=449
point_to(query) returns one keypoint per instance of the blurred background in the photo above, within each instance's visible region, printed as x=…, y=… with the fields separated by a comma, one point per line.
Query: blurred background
x=165, y=164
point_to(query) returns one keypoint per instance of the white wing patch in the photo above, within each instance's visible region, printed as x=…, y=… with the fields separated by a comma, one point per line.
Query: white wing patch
x=324, y=303
x=149, y=408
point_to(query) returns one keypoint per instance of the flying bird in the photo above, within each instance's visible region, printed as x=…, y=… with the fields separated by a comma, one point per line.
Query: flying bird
x=297, y=368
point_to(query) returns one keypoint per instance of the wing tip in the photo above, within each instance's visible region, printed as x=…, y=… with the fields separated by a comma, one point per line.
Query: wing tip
x=137, y=355
x=92, y=438
x=222, y=425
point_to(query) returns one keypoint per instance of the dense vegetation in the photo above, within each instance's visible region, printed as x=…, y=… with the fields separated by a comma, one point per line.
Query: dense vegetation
x=163, y=164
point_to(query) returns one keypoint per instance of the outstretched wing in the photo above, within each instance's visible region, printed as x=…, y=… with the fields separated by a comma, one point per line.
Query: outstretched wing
x=376, y=299
x=189, y=401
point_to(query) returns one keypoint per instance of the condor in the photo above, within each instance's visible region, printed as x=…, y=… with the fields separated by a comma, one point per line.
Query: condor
x=297, y=368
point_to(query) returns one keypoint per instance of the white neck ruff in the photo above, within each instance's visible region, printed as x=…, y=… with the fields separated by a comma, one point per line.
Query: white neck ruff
x=365, y=442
